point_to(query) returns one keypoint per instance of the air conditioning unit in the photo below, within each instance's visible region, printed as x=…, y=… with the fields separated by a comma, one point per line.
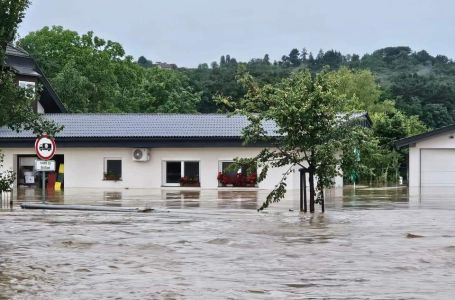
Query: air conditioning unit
x=141, y=154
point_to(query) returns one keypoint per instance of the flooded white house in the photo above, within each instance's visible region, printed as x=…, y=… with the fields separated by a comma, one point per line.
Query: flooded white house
x=135, y=150
x=143, y=151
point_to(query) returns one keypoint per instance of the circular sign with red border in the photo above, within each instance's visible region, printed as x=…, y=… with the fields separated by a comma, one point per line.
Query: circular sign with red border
x=45, y=147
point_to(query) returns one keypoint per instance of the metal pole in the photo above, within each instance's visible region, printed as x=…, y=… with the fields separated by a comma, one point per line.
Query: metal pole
x=43, y=192
x=301, y=189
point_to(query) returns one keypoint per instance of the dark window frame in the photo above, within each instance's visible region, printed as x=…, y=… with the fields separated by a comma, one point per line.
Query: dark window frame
x=195, y=179
x=111, y=171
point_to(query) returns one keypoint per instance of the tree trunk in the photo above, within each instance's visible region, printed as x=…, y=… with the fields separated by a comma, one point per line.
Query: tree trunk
x=322, y=201
x=312, y=193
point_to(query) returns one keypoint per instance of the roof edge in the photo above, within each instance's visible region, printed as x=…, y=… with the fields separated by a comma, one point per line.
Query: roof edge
x=51, y=90
x=423, y=136
x=194, y=142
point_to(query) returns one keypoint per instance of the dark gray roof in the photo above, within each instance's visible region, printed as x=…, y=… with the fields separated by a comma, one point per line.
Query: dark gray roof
x=16, y=51
x=149, y=131
x=21, y=62
x=145, y=125
x=423, y=136
x=25, y=70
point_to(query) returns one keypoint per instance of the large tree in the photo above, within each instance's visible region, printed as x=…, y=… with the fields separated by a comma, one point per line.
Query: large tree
x=11, y=14
x=13, y=101
x=94, y=75
x=378, y=159
x=310, y=131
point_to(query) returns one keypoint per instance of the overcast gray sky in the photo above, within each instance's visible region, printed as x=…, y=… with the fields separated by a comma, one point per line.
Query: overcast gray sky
x=189, y=32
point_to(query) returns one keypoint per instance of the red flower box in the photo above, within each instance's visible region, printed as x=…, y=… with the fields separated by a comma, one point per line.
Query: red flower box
x=238, y=180
x=190, y=181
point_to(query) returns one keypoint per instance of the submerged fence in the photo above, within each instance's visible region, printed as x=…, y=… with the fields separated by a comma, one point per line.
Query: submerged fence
x=6, y=199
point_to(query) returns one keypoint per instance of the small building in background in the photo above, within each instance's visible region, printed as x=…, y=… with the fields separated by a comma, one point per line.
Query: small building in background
x=431, y=158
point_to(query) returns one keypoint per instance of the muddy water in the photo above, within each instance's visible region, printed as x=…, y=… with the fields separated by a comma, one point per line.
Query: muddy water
x=370, y=244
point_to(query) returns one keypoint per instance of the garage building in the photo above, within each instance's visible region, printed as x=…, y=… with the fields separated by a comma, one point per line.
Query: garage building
x=431, y=158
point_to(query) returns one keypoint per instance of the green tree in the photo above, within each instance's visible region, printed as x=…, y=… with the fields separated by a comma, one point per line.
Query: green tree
x=379, y=161
x=365, y=160
x=294, y=57
x=144, y=62
x=436, y=115
x=11, y=14
x=167, y=91
x=303, y=55
x=360, y=85
x=393, y=125
x=305, y=109
x=94, y=75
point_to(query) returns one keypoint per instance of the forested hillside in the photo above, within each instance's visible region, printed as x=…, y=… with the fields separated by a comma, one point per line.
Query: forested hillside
x=94, y=75
x=419, y=84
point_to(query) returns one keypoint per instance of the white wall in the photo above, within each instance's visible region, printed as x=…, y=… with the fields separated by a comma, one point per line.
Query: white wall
x=442, y=141
x=84, y=167
x=414, y=167
x=40, y=108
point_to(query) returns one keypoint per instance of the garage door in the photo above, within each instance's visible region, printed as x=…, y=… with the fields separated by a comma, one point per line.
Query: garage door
x=437, y=167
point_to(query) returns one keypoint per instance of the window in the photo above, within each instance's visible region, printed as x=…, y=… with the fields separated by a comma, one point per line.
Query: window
x=181, y=173
x=243, y=177
x=173, y=172
x=191, y=169
x=30, y=86
x=225, y=168
x=112, y=169
x=27, y=85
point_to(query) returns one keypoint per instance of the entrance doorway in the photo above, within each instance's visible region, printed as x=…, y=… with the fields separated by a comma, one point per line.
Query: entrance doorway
x=28, y=176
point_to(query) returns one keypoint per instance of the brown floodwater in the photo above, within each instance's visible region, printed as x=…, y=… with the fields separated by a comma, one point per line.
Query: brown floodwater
x=372, y=243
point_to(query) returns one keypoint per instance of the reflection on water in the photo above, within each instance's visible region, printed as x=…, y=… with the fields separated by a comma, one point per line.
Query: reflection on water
x=382, y=243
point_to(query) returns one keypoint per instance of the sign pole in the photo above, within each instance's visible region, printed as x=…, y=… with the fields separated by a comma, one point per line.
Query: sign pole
x=45, y=148
x=43, y=192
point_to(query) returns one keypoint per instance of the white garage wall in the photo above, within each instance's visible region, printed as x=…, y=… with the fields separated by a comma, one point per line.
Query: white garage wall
x=414, y=167
x=437, y=167
x=442, y=141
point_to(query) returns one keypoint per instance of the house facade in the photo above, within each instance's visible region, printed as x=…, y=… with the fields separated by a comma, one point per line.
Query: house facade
x=145, y=151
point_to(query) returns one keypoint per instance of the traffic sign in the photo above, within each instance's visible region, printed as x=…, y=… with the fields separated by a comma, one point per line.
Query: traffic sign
x=45, y=165
x=45, y=147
